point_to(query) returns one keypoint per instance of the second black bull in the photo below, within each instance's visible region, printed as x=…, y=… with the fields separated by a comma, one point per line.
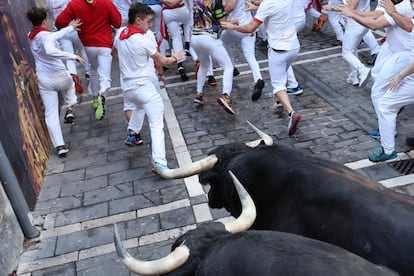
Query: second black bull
x=312, y=197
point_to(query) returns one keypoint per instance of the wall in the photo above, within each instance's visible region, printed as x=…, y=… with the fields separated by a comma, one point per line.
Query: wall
x=23, y=133
x=11, y=236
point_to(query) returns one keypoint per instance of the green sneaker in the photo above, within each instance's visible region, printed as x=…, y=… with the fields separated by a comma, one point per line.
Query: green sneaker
x=381, y=156
x=100, y=109
x=95, y=103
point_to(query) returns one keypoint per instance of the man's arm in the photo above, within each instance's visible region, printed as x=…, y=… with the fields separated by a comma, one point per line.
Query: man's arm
x=405, y=72
x=403, y=21
x=369, y=22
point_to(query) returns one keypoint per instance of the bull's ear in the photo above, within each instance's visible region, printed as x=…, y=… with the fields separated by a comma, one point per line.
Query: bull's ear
x=248, y=214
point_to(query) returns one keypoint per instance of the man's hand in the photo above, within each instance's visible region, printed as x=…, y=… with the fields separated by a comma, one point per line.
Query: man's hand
x=345, y=10
x=75, y=24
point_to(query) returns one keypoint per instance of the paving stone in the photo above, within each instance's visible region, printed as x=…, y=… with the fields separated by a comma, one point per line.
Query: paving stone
x=78, y=187
x=129, y=203
x=63, y=270
x=82, y=214
x=177, y=218
x=107, y=194
x=84, y=239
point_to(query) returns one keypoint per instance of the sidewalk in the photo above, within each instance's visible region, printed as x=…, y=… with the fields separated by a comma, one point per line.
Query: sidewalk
x=102, y=182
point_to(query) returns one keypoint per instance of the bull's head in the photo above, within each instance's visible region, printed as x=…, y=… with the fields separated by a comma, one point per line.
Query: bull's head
x=181, y=253
x=209, y=161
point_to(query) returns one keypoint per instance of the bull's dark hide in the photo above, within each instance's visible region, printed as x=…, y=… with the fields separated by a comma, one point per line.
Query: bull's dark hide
x=317, y=198
x=216, y=252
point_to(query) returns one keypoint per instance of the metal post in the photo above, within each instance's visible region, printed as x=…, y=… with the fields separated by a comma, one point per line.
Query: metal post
x=17, y=200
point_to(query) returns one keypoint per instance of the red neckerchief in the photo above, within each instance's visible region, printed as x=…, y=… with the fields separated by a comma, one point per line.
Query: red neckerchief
x=35, y=30
x=130, y=30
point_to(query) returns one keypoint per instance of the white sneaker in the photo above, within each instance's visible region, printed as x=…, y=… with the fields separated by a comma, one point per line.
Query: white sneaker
x=363, y=74
x=353, y=79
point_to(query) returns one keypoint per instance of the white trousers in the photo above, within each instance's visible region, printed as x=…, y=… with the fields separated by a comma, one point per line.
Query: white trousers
x=247, y=44
x=157, y=28
x=49, y=85
x=279, y=62
x=68, y=44
x=353, y=35
x=174, y=18
x=388, y=106
x=100, y=59
x=206, y=47
x=385, y=70
x=145, y=97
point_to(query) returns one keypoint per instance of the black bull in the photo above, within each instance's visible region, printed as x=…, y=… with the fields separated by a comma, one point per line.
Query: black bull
x=216, y=252
x=319, y=199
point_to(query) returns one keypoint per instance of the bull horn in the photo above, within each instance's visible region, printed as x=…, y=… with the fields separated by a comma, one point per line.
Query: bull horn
x=265, y=137
x=248, y=215
x=207, y=162
x=189, y=170
x=161, y=266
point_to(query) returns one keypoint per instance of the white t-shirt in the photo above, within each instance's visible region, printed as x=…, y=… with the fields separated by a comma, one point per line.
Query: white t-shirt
x=134, y=54
x=398, y=39
x=47, y=54
x=277, y=17
x=241, y=13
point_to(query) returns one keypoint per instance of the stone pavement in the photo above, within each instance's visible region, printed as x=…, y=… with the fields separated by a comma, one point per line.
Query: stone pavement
x=102, y=182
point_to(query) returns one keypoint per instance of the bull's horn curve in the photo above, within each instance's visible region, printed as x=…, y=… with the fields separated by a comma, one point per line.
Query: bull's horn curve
x=161, y=266
x=248, y=215
x=189, y=170
x=265, y=137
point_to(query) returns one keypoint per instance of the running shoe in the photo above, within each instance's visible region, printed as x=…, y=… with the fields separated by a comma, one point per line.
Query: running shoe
x=100, y=109
x=258, y=88
x=69, y=117
x=133, y=139
x=294, y=119
x=212, y=81
x=381, y=156
x=62, y=150
x=225, y=103
x=199, y=99
x=294, y=91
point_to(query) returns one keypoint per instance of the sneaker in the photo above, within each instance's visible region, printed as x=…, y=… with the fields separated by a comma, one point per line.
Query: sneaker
x=225, y=103
x=212, y=81
x=160, y=166
x=372, y=59
x=353, y=79
x=294, y=91
x=197, y=67
x=294, y=119
x=315, y=28
x=100, y=109
x=69, y=117
x=133, y=139
x=278, y=106
x=363, y=75
x=322, y=20
x=182, y=73
x=62, y=150
x=376, y=134
x=410, y=141
x=199, y=99
x=381, y=156
x=262, y=43
x=337, y=43
x=235, y=72
x=78, y=85
x=258, y=87
x=95, y=103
